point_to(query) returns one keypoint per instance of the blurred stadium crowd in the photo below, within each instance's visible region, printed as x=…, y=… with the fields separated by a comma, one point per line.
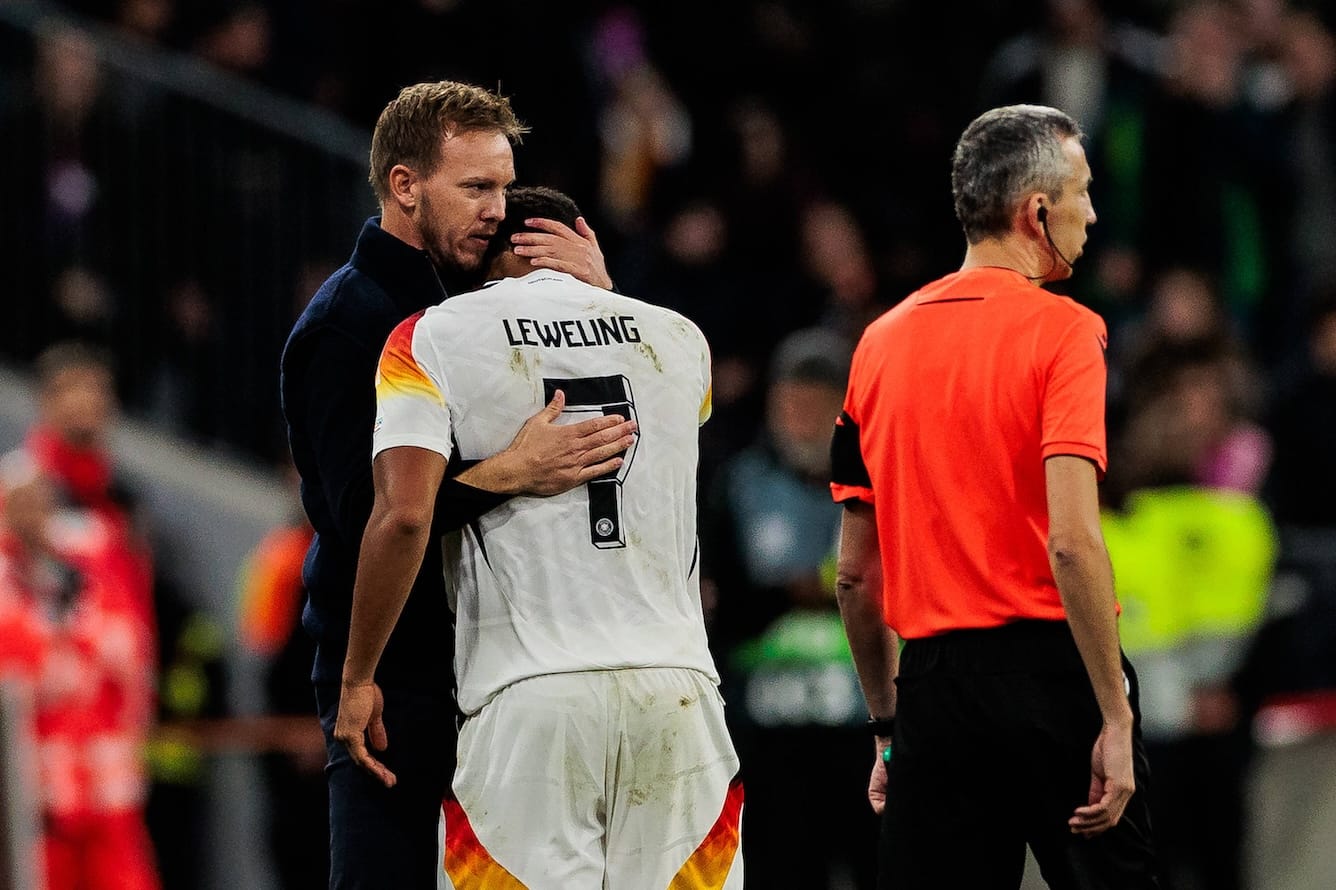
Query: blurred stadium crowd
x=777, y=171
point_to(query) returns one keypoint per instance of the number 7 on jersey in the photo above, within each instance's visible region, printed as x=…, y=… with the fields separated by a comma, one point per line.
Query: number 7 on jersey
x=600, y=395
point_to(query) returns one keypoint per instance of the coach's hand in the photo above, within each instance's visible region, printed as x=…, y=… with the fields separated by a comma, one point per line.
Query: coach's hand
x=549, y=458
x=558, y=246
x=1111, y=782
x=360, y=708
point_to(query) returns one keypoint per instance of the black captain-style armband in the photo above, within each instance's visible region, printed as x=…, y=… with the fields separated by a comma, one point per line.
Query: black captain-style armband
x=882, y=727
x=846, y=454
x=458, y=503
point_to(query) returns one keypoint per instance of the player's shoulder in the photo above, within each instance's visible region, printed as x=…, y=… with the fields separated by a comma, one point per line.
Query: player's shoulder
x=671, y=319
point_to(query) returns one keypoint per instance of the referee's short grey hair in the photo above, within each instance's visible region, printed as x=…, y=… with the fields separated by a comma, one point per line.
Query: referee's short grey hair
x=1003, y=155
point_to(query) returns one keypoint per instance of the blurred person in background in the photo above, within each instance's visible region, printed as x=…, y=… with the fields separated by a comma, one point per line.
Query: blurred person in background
x=1213, y=144
x=1194, y=565
x=839, y=264
x=50, y=137
x=269, y=625
x=1293, y=665
x=768, y=539
x=87, y=649
x=71, y=442
x=643, y=126
x=1308, y=54
x=441, y=160
x=1302, y=485
x=690, y=267
x=1191, y=430
x=1184, y=356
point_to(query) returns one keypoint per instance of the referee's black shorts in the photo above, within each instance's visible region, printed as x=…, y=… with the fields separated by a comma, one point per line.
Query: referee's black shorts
x=993, y=735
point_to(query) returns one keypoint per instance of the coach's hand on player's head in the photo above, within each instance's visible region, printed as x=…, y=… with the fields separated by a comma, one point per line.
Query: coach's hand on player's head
x=551, y=458
x=360, y=708
x=1112, y=782
x=558, y=246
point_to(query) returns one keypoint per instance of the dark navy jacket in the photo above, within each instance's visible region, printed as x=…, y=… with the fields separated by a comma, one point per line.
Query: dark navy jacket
x=329, y=403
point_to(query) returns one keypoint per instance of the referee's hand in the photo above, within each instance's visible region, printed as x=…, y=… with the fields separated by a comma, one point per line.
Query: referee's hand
x=360, y=708
x=876, y=786
x=1111, y=782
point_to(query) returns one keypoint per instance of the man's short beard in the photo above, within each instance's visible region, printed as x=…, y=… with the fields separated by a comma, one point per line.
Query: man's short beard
x=431, y=241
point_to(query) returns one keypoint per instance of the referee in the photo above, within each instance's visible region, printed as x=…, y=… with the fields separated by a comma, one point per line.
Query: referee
x=967, y=457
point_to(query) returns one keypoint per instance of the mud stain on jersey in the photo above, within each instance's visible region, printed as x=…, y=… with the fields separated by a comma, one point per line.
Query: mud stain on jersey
x=648, y=352
x=518, y=365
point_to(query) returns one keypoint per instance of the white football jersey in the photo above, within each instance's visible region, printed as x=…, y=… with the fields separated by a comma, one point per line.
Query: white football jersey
x=604, y=576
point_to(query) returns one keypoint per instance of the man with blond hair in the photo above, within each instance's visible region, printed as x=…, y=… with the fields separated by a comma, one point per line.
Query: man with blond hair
x=441, y=160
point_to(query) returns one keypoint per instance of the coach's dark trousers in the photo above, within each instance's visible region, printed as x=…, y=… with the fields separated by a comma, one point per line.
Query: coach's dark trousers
x=993, y=735
x=386, y=838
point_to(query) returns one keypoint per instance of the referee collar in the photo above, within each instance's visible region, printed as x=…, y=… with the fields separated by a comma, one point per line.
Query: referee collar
x=985, y=278
x=405, y=273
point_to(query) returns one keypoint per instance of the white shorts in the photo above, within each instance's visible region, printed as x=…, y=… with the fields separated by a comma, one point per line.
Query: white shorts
x=600, y=780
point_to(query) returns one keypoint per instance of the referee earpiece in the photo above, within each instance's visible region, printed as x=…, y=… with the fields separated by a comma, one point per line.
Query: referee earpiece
x=1042, y=215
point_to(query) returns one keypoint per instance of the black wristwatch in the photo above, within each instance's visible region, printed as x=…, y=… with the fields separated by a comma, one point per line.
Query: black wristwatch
x=881, y=726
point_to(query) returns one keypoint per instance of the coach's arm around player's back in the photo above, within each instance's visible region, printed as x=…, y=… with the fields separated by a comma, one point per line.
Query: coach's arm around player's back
x=406, y=479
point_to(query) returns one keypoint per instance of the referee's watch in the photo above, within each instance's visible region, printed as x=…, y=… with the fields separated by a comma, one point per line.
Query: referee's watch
x=881, y=726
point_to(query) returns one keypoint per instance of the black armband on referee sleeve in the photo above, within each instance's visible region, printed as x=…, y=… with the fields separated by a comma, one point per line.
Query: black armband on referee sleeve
x=846, y=455
x=458, y=504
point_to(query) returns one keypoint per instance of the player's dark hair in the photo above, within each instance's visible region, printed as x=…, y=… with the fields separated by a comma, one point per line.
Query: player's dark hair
x=1003, y=155
x=530, y=202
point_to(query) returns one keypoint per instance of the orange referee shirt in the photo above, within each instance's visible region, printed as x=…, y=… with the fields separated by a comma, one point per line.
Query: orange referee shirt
x=956, y=396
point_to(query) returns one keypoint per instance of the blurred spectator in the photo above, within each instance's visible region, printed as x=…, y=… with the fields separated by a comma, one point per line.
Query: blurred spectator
x=836, y=256
x=1190, y=432
x=1221, y=157
x=147, y=20
x=70, y=443
x=767, y=552
x=689, y=268
x=1185, y=393
x=191, y=686
x=1302, y=486
x=87, y=648
x=235, y=36
x=763, y=185
x=643, y=126
x=1293, y=665
x=75, y=138
x=293, y=761
x=1193, y=568
x=1309, y=56
x=185, y=385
